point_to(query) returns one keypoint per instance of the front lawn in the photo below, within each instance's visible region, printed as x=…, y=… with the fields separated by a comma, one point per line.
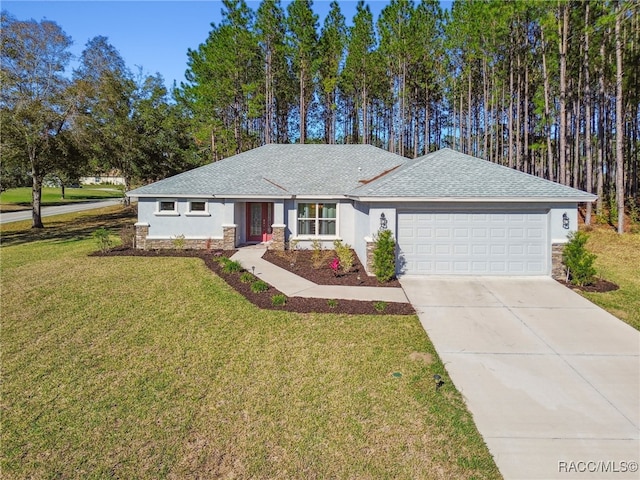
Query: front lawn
x=619, y=262
x=134, y=367
x=20, y=198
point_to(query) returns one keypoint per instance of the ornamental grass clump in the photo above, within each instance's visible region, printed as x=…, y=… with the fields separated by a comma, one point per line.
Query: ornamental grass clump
x=259, y=286
x=578, y=260
x=246, y=277
x=279, y=300
x=384, y=256
x=229, y=266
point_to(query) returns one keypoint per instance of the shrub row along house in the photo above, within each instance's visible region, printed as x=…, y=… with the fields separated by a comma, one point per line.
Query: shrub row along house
x=450, y=213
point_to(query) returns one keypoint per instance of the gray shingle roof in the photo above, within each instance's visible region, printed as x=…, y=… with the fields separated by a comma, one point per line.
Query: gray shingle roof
x=450, y=174
x=281, y=170
x=359, y=171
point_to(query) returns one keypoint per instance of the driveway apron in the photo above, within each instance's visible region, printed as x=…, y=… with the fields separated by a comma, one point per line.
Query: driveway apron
x=552, y=380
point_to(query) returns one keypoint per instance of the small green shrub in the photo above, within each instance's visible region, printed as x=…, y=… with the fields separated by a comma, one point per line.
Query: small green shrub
x=380, y=306
x=578, y=260
x=231, y=266
x=259, y=286
x=332, y=303
x=178, y=242
x=317, y=255
x=345, y=255
x=103, y=239
x=246, y=277
x=384, y=256
x=279, y=300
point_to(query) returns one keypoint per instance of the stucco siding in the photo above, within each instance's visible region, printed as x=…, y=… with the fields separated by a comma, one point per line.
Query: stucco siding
x=360, y=230
x=190, y=224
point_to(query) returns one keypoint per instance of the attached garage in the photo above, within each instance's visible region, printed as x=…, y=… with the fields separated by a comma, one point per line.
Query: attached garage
x=453, y=214
x=456, y=242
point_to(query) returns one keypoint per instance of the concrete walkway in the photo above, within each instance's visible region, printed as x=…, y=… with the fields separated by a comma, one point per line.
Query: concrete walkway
x=294, y=286
x=552, y=380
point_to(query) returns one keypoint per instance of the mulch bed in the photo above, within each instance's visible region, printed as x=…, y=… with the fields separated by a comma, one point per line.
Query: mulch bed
x=263, y=300
x=599, y=286
x=301, y=263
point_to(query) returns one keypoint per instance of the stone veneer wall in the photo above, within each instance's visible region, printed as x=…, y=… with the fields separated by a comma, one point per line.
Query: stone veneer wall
x=189, y=244
x=229, y=237
x=371, y=245
x=144, y=243
x=558, y=270
x=142, y=230
x=277, y=238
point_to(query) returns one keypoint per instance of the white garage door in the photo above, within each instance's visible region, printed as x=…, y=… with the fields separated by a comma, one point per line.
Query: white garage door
x=472, y=243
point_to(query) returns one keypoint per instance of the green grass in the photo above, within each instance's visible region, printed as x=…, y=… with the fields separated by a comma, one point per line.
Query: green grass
x=135, y=367
x=20, y=198
x=618, y=261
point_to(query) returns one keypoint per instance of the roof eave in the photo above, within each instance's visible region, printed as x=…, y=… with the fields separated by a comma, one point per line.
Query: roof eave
x=581, y=199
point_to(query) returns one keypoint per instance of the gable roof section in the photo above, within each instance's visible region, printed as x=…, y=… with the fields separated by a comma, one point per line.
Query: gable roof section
x=447, y=174
x=280, y=171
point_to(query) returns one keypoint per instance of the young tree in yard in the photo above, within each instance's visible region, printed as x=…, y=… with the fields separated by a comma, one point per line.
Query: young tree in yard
x=303, y=46
x=36, y=102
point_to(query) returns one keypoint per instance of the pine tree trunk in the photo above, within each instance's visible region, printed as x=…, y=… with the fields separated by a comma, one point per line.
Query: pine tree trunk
x=469, y=152
x=547, y=110
x=563, y=34
x=587, y=132
x=269, y=97
x=303, y=112
x=510, y=124
x=619, y=124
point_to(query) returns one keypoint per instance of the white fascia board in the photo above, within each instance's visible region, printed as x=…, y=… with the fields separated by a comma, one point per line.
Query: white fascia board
x=477, y=199
x=337, y=198
x=169, y=195
x=257, y=197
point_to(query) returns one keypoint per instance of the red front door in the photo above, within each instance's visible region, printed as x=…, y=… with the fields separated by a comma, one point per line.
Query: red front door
x=259, y=220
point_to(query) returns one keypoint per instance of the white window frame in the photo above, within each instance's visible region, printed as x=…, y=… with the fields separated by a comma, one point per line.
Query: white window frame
x=318, y=219
x=198, y=213
x=167, y=213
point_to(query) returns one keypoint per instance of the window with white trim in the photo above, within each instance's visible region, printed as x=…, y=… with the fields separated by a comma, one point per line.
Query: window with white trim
x=167, y=207
x=317, y=219
x=198, y=208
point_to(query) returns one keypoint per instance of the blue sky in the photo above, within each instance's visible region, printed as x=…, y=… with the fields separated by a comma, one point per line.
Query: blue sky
x=154, y=35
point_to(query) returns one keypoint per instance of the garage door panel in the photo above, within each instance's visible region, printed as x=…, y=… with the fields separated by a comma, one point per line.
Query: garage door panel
x=495, y=243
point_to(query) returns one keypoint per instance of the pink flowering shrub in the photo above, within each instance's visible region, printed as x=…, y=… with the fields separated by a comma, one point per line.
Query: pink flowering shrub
x=335, y=266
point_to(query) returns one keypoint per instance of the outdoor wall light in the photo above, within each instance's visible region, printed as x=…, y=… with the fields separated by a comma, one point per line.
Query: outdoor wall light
x=565, y=221
x=383, y=222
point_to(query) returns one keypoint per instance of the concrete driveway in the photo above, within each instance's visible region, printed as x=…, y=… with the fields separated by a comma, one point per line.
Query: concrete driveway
x=552, y=381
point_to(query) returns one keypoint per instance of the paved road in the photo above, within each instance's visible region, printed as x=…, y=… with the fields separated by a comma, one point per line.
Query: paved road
x=552, y=380
x=57, y=210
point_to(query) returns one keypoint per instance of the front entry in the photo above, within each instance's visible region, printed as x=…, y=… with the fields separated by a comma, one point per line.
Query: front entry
x=259, y=220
